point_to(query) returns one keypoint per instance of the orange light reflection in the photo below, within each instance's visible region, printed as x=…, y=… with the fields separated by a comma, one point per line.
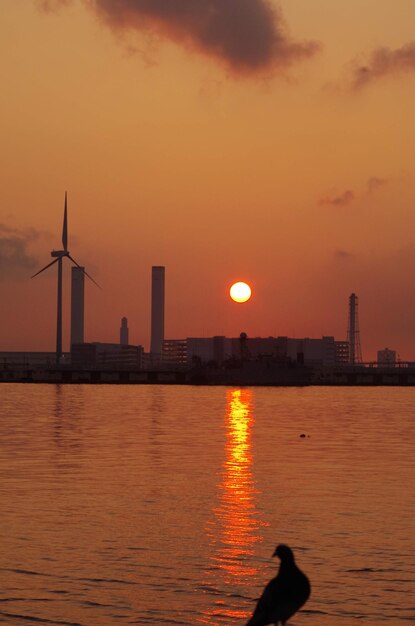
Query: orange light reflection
x=236, y=526
x=237, y=512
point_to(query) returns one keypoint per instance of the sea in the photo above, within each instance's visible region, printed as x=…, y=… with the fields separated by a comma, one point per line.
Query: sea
x=152, y=504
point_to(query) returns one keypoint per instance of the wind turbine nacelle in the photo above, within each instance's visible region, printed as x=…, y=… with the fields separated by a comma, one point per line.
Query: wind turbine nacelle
x=59, y=253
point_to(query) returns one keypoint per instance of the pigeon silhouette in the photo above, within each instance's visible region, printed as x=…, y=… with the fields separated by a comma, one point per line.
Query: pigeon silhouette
x=284, y=594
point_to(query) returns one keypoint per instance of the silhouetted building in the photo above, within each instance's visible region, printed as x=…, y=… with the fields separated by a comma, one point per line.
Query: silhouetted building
x=114, y=354
x=342, y=352
x=208, y=349
x=83, y=355
x=387, y=357
x=157, y=311
x=219, y=348
x=175, y=351
x=258, y=348
x=30, y=359
x=323, y=352
x=124, y=332
x=106, y=355
x=77, y=305
x=314, y=352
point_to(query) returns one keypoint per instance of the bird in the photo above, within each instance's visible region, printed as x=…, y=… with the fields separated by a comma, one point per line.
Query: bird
x=284, y=595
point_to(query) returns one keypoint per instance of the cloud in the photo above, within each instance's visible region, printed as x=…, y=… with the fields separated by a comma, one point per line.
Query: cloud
x=15, y=259
x=384, y=62
x=343, y=255
x=375, y=183
x=248, y=36
x=339, y=201
x=50, y=6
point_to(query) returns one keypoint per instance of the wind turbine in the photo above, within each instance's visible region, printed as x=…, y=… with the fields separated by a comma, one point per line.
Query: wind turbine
x=58, y=256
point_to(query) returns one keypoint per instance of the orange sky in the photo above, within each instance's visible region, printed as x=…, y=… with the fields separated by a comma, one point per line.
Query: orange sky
x=294, y=173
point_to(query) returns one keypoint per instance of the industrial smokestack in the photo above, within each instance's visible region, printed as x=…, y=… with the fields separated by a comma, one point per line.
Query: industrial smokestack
x=77, y=305
x=353, y=334
x=157, y=311
x=124, y=332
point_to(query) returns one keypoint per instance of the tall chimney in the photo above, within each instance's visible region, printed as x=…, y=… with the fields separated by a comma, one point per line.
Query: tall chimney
x=124, y=332
x=353, y=334
x=77, y=305
x=157, y=311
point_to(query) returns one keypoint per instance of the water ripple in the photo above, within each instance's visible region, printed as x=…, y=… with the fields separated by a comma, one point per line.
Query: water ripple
x=149, y=505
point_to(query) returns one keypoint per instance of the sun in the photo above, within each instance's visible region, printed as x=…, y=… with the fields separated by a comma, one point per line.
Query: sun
x=240, y=292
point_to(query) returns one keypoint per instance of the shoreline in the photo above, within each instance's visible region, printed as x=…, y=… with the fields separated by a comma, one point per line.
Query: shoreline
x=283, y=376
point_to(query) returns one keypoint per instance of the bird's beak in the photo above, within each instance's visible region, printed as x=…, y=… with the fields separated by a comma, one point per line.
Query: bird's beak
x=275, y=552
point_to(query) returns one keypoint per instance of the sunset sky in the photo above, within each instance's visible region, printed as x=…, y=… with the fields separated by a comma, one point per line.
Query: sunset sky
x=271, y=142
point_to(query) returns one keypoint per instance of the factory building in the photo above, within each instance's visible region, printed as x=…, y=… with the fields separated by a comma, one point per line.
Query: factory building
x=324, y=352
x=106, y=355
x=174, y=352
x=314, y=352
x=342, y=352
x=386, y=357
x=208, y=349
x=220, y=349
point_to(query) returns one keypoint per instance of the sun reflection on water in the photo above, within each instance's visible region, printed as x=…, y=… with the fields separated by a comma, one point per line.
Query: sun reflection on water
x=236, y=527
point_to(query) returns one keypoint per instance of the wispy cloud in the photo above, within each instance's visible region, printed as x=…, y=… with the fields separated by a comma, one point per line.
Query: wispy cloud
x=384, y=62
x=248, y=36
x=50, y=6
x=343, y=255
x=15, y=259
x=374, y=183
x=339, y=200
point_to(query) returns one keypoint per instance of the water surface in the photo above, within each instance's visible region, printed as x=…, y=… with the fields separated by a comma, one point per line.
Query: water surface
x=163, y=505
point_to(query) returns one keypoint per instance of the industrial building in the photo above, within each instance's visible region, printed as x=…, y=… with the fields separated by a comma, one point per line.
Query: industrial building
x=324, y=352
x=106, y=355
x=386, y=357
x=174, y=352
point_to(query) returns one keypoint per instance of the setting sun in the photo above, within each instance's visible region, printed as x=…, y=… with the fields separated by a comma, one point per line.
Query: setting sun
x=240, y=292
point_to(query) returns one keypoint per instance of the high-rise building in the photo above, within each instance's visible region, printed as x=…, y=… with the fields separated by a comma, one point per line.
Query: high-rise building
x=157, y=311
x=124, y=332
x=77, y=305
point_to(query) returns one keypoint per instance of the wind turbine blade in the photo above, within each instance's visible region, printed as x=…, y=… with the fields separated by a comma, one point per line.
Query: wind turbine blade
x=90, y=278
x=45, y=268
x=94, y=281
x=65, y=224
x=82, y=268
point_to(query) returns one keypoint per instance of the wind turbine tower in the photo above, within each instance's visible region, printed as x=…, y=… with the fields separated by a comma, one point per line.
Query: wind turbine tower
x=58, y=256
x=353, y=334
